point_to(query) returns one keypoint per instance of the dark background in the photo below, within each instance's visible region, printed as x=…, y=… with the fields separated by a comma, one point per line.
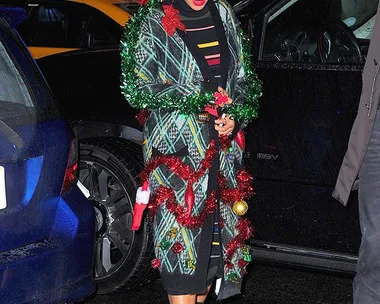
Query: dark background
x=264, y=284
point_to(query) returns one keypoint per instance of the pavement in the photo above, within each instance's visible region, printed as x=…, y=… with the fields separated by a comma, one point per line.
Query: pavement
x=264, y=284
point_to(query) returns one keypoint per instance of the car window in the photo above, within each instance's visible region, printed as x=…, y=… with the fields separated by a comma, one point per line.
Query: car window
x=358, y=15
x=24, y=94
x=290, y=33
x=51, y=25
x=100, y=30
x=298, y=31
x=68, y=25
x=131, y=7
x=15, y=98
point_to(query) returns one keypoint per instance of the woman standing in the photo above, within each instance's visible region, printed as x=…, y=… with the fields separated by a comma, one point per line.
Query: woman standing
x=184, y=63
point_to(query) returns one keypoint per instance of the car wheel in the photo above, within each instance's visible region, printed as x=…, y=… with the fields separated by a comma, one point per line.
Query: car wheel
x=108, y=169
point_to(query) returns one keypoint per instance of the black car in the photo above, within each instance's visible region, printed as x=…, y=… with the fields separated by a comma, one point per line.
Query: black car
x=310, y=56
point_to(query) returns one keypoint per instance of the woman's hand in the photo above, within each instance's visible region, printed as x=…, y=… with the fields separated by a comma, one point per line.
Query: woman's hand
x=224, y=126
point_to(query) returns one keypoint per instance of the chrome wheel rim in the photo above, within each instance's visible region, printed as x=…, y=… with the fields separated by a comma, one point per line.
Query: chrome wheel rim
x=113, y=210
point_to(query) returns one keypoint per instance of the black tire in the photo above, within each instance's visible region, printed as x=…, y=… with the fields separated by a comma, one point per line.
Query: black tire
x=108, y=169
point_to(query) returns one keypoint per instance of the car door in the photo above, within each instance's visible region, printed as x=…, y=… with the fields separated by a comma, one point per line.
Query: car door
x=296, y=146
x=50, y=27
x=28, y=138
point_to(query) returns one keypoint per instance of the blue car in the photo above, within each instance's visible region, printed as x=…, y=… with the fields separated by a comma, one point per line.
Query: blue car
x=47, y=226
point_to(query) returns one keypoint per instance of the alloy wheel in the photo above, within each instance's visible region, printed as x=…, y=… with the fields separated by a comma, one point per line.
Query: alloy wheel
x=113, y=209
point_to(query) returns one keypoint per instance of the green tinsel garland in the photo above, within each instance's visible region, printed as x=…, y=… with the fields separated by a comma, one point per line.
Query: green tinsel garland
x=184, y=104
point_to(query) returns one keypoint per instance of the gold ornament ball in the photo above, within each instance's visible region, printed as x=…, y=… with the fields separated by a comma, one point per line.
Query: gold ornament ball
x=240, y=207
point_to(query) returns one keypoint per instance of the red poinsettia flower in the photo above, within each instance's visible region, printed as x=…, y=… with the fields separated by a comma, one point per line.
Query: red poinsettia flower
x=171, y=21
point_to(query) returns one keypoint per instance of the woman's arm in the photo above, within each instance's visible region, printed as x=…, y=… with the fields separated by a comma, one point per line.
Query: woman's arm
x=247, y=87
x=239, y=96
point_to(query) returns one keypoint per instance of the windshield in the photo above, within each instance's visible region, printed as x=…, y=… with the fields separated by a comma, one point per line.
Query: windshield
x=359, y=15
x=128, y=7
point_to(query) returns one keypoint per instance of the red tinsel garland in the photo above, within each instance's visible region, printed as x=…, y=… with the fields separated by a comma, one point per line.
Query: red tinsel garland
x=225, y=142
x=191, y=222
x=186, y=173
x=158, y=198
x=178, y=167
x=244, y=190
x=245, y=232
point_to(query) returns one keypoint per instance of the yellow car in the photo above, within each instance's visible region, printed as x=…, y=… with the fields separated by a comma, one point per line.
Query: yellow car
x=56, y=26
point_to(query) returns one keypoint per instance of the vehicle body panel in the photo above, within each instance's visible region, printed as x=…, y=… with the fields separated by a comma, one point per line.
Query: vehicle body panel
x=66, y=12
x=46, y=237
x=93, y=90
x=39, y=52
x=296, y=149
x=296, y=146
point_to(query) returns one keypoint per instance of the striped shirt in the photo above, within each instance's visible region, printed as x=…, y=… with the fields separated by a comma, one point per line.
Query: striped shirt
x=201, y=30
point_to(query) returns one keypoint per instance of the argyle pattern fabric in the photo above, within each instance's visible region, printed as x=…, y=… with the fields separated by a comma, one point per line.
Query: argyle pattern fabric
x=166, y=65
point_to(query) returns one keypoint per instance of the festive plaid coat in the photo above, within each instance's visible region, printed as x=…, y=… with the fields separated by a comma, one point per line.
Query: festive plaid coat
x=168, y=65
